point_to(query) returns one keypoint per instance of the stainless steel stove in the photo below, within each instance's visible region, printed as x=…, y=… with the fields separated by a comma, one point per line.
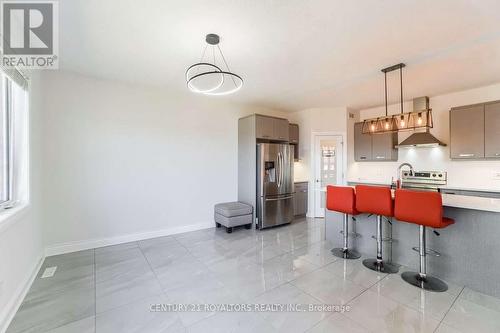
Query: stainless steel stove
x=423, y=180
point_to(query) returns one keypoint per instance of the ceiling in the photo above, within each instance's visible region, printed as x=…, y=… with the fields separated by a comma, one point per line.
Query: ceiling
x=292, y=54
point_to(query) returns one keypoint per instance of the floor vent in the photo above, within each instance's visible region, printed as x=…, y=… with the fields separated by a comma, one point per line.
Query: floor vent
x=49, y=272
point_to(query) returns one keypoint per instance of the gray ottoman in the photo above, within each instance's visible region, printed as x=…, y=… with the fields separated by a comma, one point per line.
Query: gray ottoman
x=233, y=214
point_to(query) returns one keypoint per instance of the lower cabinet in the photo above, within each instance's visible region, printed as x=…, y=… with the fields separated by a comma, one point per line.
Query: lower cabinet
x=300, y=199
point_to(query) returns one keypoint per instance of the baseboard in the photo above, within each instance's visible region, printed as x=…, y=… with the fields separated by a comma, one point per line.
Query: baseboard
x=95, y=243
x=10, y=310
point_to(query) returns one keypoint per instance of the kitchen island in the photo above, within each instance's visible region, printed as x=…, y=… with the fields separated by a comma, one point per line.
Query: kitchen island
x=487, y=201
x=469, y=248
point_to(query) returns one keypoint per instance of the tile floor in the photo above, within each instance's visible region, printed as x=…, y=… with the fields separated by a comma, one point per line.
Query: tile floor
x=111, y=289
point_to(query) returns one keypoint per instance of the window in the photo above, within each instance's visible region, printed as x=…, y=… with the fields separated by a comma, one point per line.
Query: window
x=13, y=142
x=5, y=144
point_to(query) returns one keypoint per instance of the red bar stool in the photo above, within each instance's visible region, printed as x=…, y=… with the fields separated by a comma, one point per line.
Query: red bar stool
x=343, y=200
x=376, y=200
x=426, y=210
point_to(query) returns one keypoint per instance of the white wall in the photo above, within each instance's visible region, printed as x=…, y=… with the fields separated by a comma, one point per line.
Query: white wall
x=464, y=174
x=21, y=246
x=311, y=121
x=125, y=162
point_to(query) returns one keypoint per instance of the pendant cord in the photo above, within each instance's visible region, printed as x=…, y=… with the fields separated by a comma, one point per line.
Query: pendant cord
x=385, y=84
x=203, y=54
x=401, y=83
x=201, y=59
x=224, y=59
x=213, y=54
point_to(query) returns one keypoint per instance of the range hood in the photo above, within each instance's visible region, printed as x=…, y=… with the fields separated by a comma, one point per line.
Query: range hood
x=421, y=139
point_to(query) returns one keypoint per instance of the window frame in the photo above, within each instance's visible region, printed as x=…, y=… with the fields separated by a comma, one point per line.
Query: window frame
x=6, y=200
x=14, y=113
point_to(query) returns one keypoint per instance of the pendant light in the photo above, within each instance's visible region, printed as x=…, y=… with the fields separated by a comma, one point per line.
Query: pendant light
x=416, y=119
x=212, y=76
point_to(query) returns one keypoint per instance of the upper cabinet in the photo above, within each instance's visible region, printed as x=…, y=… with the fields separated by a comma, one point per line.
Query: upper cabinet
x=271, y=128
x=467, y=132
x=492, y=130
x=294, y=140
x=374, y=147
x=264, y=127
x=475, y=131
x=383, y=147
x=281, y=128
x=362, y=144
x=294, y=133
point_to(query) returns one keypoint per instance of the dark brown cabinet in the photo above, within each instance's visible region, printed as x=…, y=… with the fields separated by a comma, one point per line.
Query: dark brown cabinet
x=300, y=199
x=492, y=130
x=374, y=147
x=467, y=132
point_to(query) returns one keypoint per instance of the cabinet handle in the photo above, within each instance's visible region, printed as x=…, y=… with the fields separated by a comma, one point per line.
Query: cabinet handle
x=265, y=136
x=466, y=155
x=497, y=154
x=362, y=157
x=380, y=157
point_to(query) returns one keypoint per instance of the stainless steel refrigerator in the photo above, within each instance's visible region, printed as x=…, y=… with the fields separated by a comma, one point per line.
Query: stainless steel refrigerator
x=275, y=188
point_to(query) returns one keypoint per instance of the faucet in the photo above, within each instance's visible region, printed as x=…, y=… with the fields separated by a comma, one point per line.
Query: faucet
x=398, y=183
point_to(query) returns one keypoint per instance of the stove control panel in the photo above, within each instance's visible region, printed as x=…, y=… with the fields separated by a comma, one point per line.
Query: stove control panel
x=425, y=175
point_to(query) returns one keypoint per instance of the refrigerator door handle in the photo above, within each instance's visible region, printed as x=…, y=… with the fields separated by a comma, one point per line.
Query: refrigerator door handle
x=278, y=199
x=282, y=168
x=278, y=170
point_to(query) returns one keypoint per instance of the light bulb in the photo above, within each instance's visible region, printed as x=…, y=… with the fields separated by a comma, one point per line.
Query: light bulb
x=419, y=120
x=372, y=127
x=386, y=125
x=402, y=123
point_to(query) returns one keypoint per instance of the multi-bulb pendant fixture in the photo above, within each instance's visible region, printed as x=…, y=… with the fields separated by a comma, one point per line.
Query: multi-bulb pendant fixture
x=399, y=122
x=212, y=76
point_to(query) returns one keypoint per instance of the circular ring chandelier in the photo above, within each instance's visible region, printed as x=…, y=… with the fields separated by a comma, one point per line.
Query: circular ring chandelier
x=207, y=77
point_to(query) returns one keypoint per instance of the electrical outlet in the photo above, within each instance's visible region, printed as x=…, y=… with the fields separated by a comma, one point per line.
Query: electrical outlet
x=496, y=175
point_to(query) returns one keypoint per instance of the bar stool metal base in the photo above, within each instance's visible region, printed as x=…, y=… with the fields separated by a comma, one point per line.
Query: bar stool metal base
x=345, y=254
x=429, y=283
x=382, y=267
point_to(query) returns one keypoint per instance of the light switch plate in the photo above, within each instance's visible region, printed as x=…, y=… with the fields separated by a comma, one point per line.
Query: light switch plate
x=49, y=272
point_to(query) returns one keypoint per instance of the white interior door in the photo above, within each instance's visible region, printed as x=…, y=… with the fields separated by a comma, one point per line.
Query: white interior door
x=328, y=165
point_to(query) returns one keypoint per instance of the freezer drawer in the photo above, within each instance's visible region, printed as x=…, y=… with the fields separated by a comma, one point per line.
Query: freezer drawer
x=274, y=211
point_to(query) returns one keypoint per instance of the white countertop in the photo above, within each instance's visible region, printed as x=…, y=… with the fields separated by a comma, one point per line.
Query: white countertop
x=461, y=201
x=471, y=202
x=368, y=182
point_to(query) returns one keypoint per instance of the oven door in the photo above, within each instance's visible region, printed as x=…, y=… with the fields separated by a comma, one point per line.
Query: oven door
x=420, y=187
